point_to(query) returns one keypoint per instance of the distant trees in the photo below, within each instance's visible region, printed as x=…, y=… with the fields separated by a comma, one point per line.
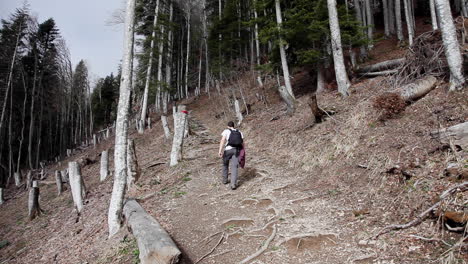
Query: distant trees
x=45, y=104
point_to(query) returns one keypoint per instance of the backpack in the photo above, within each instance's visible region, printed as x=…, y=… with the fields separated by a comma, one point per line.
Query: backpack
x=235, y=139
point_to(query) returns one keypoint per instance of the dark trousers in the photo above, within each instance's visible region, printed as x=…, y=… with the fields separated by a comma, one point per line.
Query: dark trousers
x=230, y=156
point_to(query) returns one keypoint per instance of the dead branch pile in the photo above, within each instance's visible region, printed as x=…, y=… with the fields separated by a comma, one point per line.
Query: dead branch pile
x=426, y=57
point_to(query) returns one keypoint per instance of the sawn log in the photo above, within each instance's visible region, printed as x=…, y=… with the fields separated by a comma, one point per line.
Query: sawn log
x=154, y=243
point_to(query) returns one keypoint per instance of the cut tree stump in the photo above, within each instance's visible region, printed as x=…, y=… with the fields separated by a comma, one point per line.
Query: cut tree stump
x=154, y=243
x=34, y=210
x=104, y=165
x=78, y=188
x=58, y=180
x=2, y=200
x=180, y=119
x=418, y=89
x=458, y=134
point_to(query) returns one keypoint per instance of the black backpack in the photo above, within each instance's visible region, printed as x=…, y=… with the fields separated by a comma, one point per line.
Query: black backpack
x=235, y=139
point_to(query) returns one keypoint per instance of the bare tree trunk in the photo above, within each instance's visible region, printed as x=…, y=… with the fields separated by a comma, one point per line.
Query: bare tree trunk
x=2, y=200
x=59, y=181
x=31, y=123
x=144, y=108
x=120, y=153
x=205, y=41
x=435, y=25
x=386, y=18
x=451, y=45
x=398, y=19
x=189, y=12
x=178, y=140
x=239, y=116
x=369, y=16
x=77, y=185
x=340, y=70
x=34, y=210
x=409, y=21
x=104, y=165
x=284, y=62
x=133, y=171
x=23, y=125
x=287, y=98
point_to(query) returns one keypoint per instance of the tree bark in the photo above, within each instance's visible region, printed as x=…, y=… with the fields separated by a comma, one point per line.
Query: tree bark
x=77, y=185
x=144, y=108
x=451, y=45
x=338, y=60
x=288, y=99
x=104, y=165
x=121, y=131
x=59, y=181
x=154, y=243
x=178, y=140
x=34, y=210
x=418, y=89
x=384, y=65
x=409, y=21
x=239, y=116
x=2, y=200
x=386, y=18
x=457, y=134
x=398, y=20
x=284, y=61
x=189, y=12
x=133, y=171
x=435, y=25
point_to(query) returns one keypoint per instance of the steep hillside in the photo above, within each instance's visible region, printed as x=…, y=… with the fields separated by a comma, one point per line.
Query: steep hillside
x=321, y=192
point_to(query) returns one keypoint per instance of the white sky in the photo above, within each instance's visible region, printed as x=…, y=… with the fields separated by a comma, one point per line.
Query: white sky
x=82, y=24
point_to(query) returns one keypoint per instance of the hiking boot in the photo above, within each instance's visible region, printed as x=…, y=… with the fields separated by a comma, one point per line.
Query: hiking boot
x=233, y=187
x=226, y=181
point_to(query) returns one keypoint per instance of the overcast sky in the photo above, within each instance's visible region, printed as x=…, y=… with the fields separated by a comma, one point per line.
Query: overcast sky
x=83, y=25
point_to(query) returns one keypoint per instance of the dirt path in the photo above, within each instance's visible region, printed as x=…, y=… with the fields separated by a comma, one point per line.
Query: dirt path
x=269, y=197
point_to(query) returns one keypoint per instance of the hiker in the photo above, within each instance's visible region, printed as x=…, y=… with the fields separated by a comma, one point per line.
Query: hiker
x=232, y=142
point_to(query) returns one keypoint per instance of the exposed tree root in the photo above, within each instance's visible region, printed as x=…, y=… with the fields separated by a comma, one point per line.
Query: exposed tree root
x=213, y=249
x=262, y=249
x=421, y=217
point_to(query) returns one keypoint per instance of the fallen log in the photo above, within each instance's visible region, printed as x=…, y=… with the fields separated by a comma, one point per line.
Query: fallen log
x=154, y=243
x=418, y=89
x=384, y=65
x=379, y=73
x=457, y=133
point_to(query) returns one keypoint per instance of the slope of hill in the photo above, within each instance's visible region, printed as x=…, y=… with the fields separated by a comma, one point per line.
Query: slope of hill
x=320, y=191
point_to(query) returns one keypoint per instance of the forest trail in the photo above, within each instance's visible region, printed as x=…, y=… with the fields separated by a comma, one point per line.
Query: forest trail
x=269, y=197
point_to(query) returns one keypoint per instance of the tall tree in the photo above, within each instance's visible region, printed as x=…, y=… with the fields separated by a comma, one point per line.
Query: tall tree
x=451, y=46
x=121, y=131
x=338, y=60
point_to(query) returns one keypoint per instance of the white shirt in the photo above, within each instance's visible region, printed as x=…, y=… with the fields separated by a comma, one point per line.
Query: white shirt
x=226, y=133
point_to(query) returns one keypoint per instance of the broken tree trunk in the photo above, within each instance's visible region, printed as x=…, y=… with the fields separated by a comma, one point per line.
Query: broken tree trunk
x=29, y=180
x=183, y=108
x=178, y=140
x=317, y=113
x=418, y=89
x=133, y=171
x=34, y=209
x=77, y=185
x=239, y=116
x=104, y=165
x=376, y=74
x=381, y=66
x=458, y=134
x=154, y=243
x=288, y=99
x=167, y=132
x=58, y=180
x=17, y=177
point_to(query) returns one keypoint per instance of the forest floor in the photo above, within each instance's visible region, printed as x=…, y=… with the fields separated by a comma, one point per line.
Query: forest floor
x=323, y=191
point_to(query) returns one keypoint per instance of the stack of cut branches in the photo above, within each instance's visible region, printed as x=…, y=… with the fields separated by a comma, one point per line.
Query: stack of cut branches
x=426, y=57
